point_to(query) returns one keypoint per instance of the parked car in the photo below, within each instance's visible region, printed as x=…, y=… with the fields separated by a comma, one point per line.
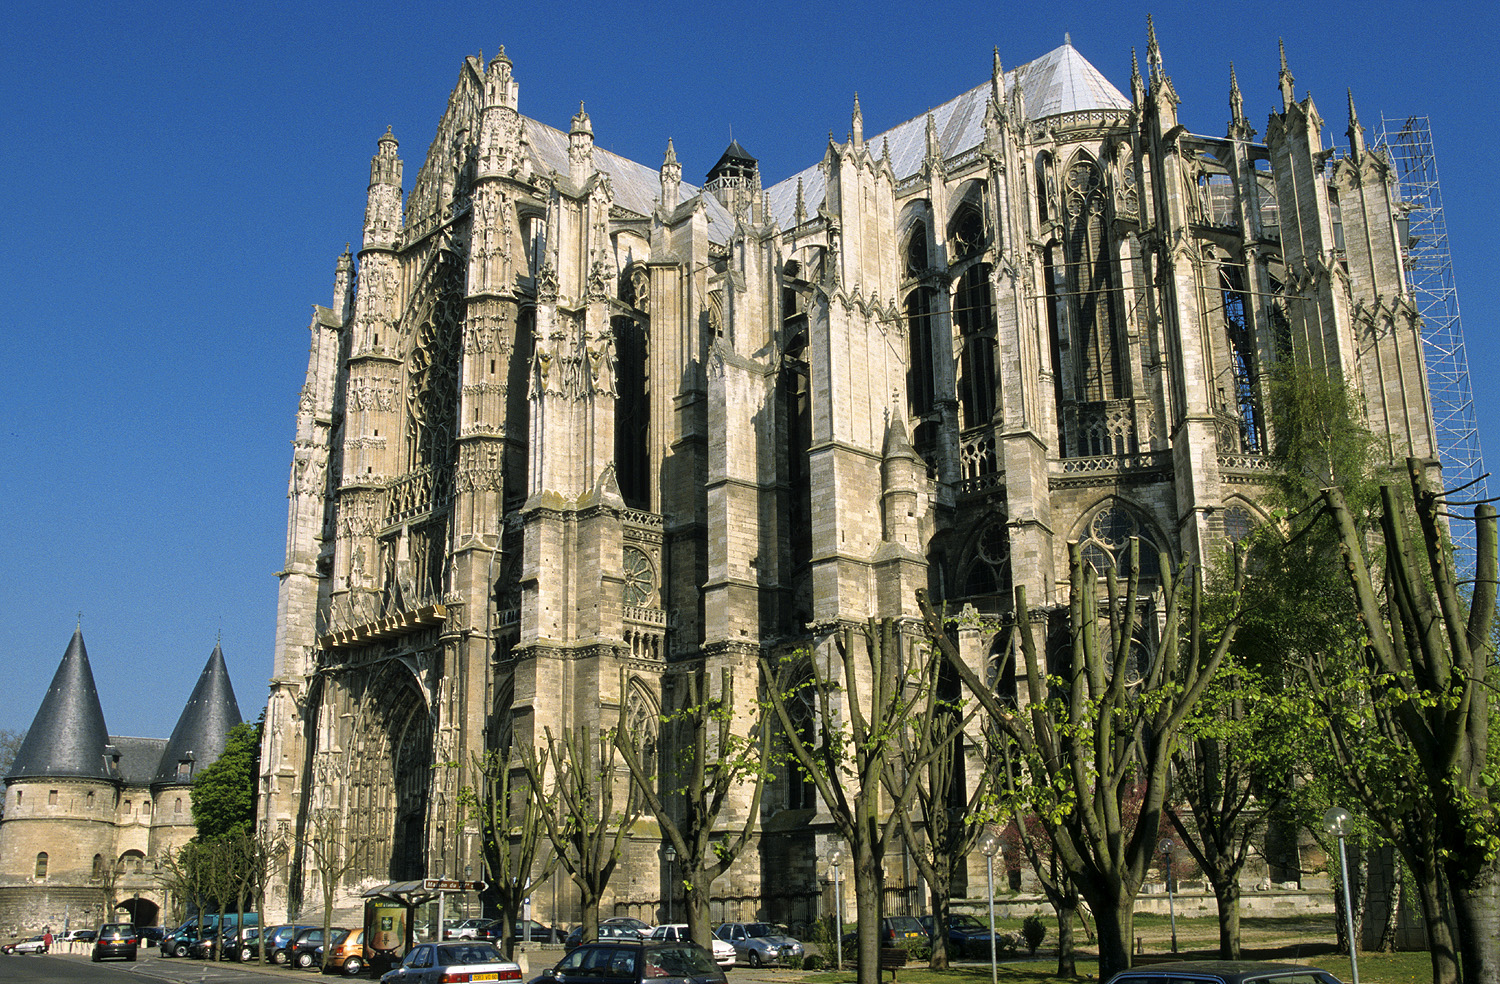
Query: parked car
x=526, y=930
x=279, y=941
x=759, y=944
x=607, y=931
x=176, y=943
x=151, y=935
x=642, y=929
x=466, y=930
x=304, y=949
x=32, y=944
x=78, y=936
x=346, y=955
x=429, y=963
x=967, y=936
x=639, y=962
x=723, y=951
x=116, y=940
x=1223, y=972
x=231, y=942
x=894, y=931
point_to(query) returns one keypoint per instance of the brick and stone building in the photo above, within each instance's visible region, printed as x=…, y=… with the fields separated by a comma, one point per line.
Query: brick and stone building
x=88, y=814
x=572, y=425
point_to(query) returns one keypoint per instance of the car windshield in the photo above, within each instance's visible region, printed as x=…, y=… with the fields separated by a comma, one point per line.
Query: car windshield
x=762, y=929
x=450, y=954
x=679, y=961
x=960, y=921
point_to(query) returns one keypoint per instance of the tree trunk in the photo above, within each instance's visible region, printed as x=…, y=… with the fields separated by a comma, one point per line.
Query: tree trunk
x=1439, y=922
x=510, y=911
x=1227, y=895
x=868, y=889
x=1115, y=925
x=700, y=928
x=1476, y=911
x=1067, y=913
x=941, y=909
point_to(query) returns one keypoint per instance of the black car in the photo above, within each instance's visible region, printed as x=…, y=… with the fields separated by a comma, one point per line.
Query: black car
x=967, y=936
x=176, y=943
x=899, y=931
x=152, y=935
x=279, y=941
x=1223, y=972
x=303, y=951
x=638, y=962
x=607, y=932
x=534, y=932
x=116, y=940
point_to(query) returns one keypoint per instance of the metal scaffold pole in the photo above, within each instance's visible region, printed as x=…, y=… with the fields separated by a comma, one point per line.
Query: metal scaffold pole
x=1429, y=272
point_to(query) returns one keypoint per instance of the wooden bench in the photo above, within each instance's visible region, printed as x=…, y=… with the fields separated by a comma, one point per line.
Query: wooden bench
x=892, y=958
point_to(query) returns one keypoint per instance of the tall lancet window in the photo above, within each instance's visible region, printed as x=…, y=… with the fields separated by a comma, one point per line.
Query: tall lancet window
x=1246, y=405
x=632, y=414
x=974, y=319
x=1099, y=369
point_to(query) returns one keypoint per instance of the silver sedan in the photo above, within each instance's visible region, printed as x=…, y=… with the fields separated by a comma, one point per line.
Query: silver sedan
x=761, y=944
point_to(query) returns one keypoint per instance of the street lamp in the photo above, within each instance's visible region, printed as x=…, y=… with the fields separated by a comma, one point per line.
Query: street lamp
x=988, y=845
x=1337, y=822
x=1166, y=849
x=670, y=853
x=835, y=858
x=468, y=880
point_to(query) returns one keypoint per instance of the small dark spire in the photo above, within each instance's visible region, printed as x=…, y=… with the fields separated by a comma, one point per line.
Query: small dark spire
x=671, y=157
x=1236, y=100
x=67, y=737
x=799, y=212
x=1137, y=86
x=1153, y=52
x=1356, y=132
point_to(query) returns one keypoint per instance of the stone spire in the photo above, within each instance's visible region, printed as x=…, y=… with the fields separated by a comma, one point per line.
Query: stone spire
x=203, y=727
x=1153, y=53
x=1356, y=132
x=997, y=82
x=1137, y=86
x=857, y=125
x=1285, y=79
x=580, y=145
x=1236, y=100
x=799, y=211
x=67, y=736
x=383, y=201
x=671, y=178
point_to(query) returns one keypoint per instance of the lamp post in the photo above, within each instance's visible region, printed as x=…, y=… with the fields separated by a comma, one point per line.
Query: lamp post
x=670, y=853
x=1166, y=849
x=835, y=858
x=989, y=844
x=468, y=880
x=1337, y=822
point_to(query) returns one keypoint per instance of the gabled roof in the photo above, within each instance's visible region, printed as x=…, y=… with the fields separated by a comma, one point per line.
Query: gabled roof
x=204, y=726
x=1061, y=81
x=637, y=188
x=138, y=758
x=67, y=736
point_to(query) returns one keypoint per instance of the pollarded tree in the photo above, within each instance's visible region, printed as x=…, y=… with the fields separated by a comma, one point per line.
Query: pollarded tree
x=1432, y=654
x=1093, y=734
x=510, y=812
x=852, y=760
x=715, y=761
x=578, y=811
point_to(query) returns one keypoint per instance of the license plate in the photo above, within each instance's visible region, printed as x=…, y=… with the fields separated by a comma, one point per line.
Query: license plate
x=491, y=976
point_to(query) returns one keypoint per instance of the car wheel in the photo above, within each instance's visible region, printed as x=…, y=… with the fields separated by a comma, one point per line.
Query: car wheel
x=279, y=957
x=245, y=954
x=754, y=958
x=304, y=959
x=96, y=958
x=353, y=966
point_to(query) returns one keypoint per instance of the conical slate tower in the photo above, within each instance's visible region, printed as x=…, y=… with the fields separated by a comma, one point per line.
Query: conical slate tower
x=68, y=735
x=204, y=725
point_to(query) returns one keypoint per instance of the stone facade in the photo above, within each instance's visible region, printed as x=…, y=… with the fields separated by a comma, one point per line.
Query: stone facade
x=572, y=426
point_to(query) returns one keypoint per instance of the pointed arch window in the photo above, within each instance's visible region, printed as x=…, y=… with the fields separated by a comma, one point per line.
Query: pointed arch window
x=966, y=232
x=1099, y=370
x=916, y=250
x=1106, y=542
x=632, y=413
x=97, y=871
x=920, y=381
x=1242, y=363
x=974, y=318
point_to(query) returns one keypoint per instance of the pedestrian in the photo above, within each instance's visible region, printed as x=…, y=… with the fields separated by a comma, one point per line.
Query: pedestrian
x=47, y=939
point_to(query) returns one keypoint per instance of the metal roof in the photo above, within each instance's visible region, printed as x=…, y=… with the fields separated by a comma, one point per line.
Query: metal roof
x=67, y=736
x=139, y=758
x=1061, y=81
x=636, y=187
x=204, y=725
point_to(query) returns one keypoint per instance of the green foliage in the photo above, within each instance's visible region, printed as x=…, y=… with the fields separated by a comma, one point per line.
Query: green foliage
x=918, y=950
x=813, y=961
x=1033, y=931
x=224, y=792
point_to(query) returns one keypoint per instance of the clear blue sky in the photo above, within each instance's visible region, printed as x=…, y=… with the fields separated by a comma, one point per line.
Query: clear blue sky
x=179, y=178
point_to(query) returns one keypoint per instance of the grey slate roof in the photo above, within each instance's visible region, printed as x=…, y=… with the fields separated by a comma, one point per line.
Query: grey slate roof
x=1061, y=81
x=204, y=726
x=637, y=187
x=138, y=758
x=67, y=736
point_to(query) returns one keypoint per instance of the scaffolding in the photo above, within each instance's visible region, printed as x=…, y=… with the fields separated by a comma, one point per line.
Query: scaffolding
x=1429, y=272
